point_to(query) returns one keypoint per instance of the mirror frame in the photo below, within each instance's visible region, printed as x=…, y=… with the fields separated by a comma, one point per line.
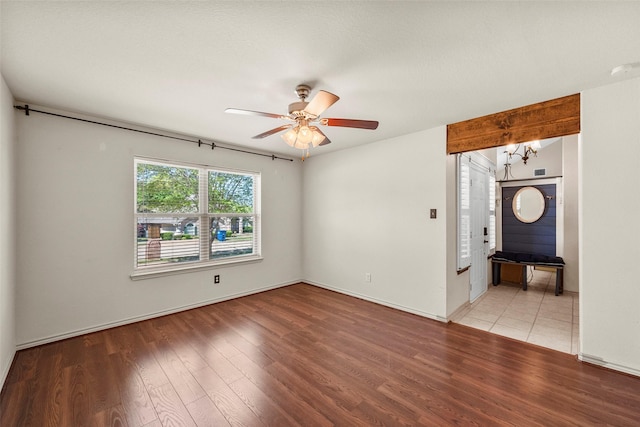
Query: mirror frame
x=539, y=209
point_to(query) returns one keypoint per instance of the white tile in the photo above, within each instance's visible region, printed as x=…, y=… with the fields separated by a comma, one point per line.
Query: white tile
x=487, y=316
x=551, y=332
x=535, y=315
x=522, y=308
x=517, y=334
x=516, y=313
x=515, y=323
x=550, y=342
x=476, y=323
x=556, y=315
x=553, y=324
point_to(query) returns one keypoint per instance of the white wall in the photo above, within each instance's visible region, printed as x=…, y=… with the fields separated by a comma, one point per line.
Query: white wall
x=609, y=226
x=7, y=225
x=570, y=200
x=75, y=222
x=366, y=210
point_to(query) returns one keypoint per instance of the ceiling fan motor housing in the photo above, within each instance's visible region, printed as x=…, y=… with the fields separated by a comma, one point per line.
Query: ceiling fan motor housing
x=297, y=108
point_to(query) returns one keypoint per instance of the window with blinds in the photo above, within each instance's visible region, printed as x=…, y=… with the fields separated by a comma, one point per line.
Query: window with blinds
x=464, y=213
x=192, y=215
x=465, y=206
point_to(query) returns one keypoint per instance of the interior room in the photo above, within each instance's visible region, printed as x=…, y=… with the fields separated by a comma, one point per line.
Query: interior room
x=536, y=314
x=249, y=213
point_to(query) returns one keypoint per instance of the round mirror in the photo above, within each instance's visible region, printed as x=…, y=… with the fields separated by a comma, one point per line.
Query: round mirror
x=528, y=204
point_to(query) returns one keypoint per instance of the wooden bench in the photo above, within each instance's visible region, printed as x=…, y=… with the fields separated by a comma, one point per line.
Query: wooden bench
x=496, y=268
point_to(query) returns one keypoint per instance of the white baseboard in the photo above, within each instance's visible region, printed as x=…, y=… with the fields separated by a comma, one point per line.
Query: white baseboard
x=595, y=360
x=460, y=312
x=378, y=301
x=5, y=370
x=78, y=332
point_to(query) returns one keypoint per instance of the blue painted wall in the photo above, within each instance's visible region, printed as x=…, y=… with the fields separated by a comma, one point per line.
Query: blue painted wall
x=535, y=238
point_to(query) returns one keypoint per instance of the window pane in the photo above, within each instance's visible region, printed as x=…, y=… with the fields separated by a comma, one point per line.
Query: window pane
x=230, y=193
x=166, y=189
x=232, y=236
x=167, y=240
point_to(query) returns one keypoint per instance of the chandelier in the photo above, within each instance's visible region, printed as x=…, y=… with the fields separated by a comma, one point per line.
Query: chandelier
x=528, y=148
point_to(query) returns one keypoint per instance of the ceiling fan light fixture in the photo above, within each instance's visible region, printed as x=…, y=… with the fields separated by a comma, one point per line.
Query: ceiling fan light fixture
x=318, y=137
x=305, y=135
x=291, y=136
x=301, y=146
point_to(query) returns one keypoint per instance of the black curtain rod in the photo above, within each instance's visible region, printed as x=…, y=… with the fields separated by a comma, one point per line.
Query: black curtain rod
x=213, y=145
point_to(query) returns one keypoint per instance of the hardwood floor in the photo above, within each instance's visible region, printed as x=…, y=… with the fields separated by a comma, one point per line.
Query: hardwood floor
x=306, y=356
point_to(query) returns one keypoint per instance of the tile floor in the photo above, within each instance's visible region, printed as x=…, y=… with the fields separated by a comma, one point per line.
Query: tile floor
x=536, y=315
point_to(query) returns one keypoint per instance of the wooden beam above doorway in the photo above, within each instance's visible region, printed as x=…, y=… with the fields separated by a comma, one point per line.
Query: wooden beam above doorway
x=549, y=119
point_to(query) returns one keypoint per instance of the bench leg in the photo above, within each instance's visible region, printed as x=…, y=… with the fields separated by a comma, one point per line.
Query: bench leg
x=496, y=269
x=559, y=281
x=524, y=277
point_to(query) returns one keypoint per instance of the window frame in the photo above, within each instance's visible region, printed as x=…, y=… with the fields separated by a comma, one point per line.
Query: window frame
x=205, y=238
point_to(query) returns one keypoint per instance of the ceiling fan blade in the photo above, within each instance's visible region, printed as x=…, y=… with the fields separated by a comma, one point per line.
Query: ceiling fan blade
x=321, y=102
x=271, y=132
x=351, y=123
x=254, y=113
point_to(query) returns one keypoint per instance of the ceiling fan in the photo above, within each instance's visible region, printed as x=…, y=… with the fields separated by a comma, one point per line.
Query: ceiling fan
x=303, y=115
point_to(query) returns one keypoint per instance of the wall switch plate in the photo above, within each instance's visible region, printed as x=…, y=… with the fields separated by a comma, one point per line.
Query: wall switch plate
x=216, y=278
x=433, y=214
x=367, y=277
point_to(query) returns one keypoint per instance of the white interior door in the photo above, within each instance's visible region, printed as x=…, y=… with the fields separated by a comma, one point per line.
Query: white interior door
x=479, y=240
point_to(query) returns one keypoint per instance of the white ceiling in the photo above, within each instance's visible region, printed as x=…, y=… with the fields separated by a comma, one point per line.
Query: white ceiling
x=410, y=65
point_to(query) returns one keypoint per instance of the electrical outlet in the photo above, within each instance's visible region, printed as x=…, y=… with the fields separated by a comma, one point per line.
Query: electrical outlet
x=433, y=214
x=367, y=277
x=216, y=278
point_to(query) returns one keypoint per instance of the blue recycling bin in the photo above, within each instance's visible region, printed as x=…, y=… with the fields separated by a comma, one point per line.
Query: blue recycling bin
x=222, y=235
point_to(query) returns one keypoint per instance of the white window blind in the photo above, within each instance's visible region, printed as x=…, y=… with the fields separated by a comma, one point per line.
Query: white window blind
x=464, y=212
x=194, y=215
x=464, y=185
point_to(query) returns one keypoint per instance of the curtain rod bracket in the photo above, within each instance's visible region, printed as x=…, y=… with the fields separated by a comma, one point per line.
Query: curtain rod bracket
x=25, y=108
x=213, y=145
x=199, y=143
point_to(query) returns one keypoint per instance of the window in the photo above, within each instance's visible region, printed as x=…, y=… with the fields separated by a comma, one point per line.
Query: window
x=464, y=185
x=464, y=213
x=190, y=216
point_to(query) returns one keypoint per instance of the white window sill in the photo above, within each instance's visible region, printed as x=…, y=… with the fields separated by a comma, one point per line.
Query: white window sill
x=149, y=273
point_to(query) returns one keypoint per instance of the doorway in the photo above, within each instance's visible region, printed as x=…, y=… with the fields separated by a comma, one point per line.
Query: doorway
x=537, y=315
